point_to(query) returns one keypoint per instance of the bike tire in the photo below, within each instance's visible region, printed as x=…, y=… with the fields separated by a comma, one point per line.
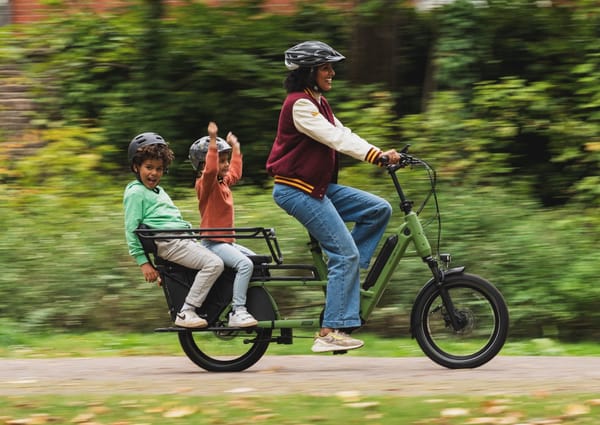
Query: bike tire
x=232, y=350
x=225, y=351
x=485, y=325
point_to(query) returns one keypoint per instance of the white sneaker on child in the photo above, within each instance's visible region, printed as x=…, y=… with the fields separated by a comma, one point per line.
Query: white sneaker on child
x=240, y=318
x=189, y=319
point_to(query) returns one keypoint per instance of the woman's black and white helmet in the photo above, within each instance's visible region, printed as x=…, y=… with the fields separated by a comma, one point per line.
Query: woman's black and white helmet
x=311, y=53
x=199, y=149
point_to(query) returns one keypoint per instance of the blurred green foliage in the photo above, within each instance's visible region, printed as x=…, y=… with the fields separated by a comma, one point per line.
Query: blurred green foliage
x=503, y=100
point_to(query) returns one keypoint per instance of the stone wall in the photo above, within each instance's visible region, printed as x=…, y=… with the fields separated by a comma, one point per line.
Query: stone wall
x=18, y=138
x=16, y=102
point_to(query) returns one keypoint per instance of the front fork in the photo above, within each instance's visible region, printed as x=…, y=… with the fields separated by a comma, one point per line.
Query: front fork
x=438, y=278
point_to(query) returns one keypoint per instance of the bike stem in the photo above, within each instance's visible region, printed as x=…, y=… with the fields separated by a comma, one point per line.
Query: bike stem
x=405, y=204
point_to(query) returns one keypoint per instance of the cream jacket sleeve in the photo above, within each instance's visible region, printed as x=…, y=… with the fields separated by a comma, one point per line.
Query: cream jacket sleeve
x=310, y=121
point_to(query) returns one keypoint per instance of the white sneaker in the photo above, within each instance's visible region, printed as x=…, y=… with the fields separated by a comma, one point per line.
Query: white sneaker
x=189, y=319
x=240, y=318
x=335, y=341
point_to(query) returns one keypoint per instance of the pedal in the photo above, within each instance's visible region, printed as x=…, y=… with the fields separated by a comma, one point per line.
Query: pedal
x=340, y=352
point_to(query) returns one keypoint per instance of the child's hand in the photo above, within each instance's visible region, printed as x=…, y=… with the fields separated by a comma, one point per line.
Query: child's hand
x=150, y=273
x=232, y=140
x=212, y=130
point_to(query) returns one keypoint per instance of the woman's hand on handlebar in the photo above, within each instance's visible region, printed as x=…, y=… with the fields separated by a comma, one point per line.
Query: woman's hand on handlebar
x=390, y=157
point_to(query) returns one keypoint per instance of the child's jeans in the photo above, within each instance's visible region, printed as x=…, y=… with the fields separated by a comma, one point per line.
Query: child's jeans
x=236, y=257
x=191, y=254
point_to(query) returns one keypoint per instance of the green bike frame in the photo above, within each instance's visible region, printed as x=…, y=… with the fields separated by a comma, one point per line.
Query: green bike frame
x=393, y=250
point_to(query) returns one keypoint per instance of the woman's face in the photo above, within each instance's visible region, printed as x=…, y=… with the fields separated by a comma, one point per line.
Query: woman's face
x=325, y=74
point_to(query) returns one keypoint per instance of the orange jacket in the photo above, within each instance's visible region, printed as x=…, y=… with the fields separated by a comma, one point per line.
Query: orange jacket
x=215, y=200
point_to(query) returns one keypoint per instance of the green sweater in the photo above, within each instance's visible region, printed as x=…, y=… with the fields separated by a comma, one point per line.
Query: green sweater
x=153, y=208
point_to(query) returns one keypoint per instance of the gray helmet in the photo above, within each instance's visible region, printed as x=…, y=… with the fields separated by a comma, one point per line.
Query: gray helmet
x=143, y=139
x=199, y=149
x=310, y=53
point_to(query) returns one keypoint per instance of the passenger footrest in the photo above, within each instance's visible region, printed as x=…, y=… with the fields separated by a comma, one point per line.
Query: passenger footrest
x=286, y=336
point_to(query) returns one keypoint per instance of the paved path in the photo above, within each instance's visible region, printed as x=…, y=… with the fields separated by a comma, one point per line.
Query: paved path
x=311, y=374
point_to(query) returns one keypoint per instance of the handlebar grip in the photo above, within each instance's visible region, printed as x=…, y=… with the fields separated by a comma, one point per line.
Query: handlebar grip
x=384, y=160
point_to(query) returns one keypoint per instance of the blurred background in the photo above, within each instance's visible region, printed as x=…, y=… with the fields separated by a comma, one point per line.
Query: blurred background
x=501, y=97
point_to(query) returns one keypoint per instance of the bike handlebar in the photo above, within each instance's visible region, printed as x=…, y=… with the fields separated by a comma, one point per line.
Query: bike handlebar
x=405, y=161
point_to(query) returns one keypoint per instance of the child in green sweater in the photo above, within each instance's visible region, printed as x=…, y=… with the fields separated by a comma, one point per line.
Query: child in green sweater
x=145, y=202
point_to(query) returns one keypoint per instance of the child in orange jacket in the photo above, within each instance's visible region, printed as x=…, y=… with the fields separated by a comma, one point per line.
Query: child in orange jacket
x=217, y=172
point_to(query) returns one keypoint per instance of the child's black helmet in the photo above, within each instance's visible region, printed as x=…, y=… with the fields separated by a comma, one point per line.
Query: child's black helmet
x=143, y=139
x=199, y=149
x=311, y=53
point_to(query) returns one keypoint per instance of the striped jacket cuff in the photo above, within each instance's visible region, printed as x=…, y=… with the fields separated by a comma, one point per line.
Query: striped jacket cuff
x=373, y=156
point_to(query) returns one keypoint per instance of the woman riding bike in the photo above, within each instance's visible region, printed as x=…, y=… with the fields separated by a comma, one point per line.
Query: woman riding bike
x=304, y=163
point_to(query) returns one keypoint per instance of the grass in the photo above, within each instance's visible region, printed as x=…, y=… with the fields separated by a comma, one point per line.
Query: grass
x=342, y=408
x=15, y=344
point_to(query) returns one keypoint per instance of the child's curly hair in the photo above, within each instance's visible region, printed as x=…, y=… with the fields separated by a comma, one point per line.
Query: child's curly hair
x=156, y=151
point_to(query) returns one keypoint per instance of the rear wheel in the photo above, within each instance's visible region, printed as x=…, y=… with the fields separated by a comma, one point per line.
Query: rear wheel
x=225, y=351
x=232, y=350
x=482, y=317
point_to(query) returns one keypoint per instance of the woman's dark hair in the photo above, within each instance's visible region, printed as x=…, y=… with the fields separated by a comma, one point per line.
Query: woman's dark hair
x=299, y=79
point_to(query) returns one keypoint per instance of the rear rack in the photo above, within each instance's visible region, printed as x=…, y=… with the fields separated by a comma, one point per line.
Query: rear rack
x=267, y=234
x=263, y=271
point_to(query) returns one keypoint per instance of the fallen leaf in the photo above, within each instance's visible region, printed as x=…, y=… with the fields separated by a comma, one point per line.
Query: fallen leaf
x=263, y=417
x=41, y=418
x=99, y=410
x=17, y=422
x=349, y=395
x=454, y=411
x=83, y=417
x=541, y=394
x=363, y=404
x=577, y=409
x=240, y=403
x=373, y=416
x=179, y=412
x=495, y=409
x=481, y=421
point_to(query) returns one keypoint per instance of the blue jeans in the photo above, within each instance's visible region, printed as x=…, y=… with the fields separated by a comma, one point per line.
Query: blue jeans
x=325, y=219
x=234, y=256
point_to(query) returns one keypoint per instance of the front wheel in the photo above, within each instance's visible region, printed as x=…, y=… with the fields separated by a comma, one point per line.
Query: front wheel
x=480, y=322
